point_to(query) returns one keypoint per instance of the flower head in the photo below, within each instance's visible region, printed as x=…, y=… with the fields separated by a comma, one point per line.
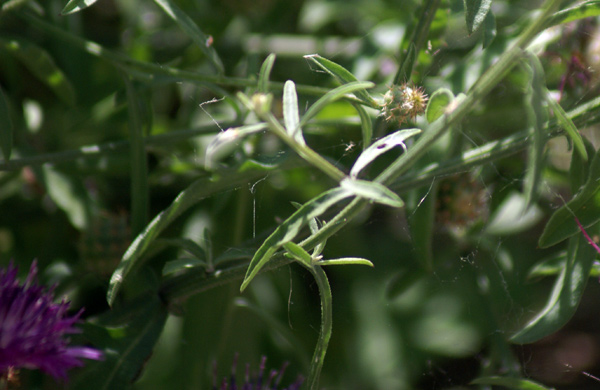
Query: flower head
x=257, y=382
x=33, y=328
x=403, y=102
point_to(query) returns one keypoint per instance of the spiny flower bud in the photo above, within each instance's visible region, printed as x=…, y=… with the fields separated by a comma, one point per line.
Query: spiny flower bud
x=402, y=102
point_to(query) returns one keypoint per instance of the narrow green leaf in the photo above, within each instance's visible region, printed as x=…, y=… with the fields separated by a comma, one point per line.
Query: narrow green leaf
x=489, y=30
x=76, y=6
x=421, y=221
x=288, y=230
x=565, y=296
x=579, y=169
x=265, y=73
x=373, y=191
x=298, y=253
x=346, y=261
x=585, y=205
x=128, y=335
x=291, y=117
x=580, y=11
x=332, y=96
x=366, y=125
x=227, y=141
x=139, y=165
x=537, y=115
x=475, y=13
x=41, y=65
x=437, y=104
x=203, y=41
x=381, y=146
x=134, y=258
x=6, y=128
x=567, y=124
x=342, y=75
x=511, y=383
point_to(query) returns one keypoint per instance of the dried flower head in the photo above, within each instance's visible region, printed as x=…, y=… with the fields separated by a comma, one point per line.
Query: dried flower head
x=256, y=382
x=33, y=328
x=403, y=102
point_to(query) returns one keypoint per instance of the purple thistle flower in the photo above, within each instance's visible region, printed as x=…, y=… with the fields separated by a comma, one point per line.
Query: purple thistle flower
x=33, y=328
x=256, y=382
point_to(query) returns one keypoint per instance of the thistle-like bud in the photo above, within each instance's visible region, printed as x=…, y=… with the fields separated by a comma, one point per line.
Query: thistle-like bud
x=402, y=102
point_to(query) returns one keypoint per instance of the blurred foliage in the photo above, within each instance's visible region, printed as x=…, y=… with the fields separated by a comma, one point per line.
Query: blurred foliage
x=108, y=114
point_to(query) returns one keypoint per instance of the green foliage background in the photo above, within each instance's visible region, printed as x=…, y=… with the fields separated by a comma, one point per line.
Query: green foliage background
x=111, y=127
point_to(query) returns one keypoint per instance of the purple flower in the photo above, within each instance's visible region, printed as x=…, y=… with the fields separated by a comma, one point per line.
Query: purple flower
x=33, y=328
x=257, y=382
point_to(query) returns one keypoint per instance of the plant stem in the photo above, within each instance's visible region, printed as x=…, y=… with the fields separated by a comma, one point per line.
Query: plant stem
x=316, y=365
x=303, y=150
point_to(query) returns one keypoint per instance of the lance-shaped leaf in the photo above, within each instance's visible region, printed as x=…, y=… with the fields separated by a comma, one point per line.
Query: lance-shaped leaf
x=298, y=253
x=41, y=65
x=585, y=205
x=489, y=30
x=342, y=75
x=567, y=124
x=566, y=293
x=265, y=73
x=475, y=13
x=291, y=117
x=288, y=230
x=366, y=125
x=203, y=41
x=381, y=146
x=510, y=383
x=332, y=96
x=537, y=114
x=346, y=261
x=227, y=141
x=437, y=104
x=373, y=191
x=76, y=6
x=582, y=10
x=6, y=128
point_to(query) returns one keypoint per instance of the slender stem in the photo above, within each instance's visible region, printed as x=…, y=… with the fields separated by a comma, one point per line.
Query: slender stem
x=303, y=150
x=316, y=365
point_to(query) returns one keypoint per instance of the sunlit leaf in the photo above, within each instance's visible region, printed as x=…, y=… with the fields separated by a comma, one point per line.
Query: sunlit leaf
x=227, y=141
x=475, y=13
x=41, y=65
x=583, y=10
x=346, y=261
x=298, y=253
x=342, y=75
x=6, y=128
x=510, y=383
x=332, y=96
x=291, y=117
x=381, y=146
x=437, y=104
x=288, y=230
x=567, y=124
x=68, y=194
x=566, y=294
x=76, y=6
x=375, y=192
